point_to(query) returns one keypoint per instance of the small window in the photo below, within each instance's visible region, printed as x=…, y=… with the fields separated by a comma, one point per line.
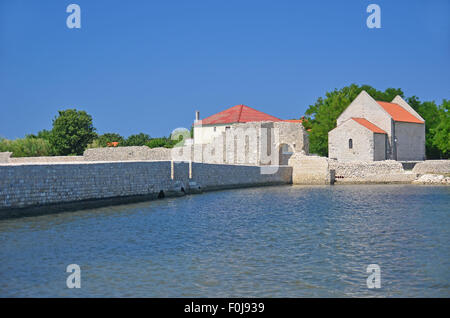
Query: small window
x=350, y=144
x=214, y=128
x=227, y=127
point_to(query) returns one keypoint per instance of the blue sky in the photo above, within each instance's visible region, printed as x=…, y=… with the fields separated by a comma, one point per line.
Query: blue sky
x=146, y=66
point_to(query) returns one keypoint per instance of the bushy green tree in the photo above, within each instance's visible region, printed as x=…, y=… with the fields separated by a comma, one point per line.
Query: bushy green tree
x=321, y=117
x=72, y=132
x=43, y=134
x=157, y=142
x=430, y=112
x=137, y=140
x=104, y=139
x=441, y=132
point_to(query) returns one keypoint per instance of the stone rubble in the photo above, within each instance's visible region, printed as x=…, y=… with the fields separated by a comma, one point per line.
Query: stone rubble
x=432, y=179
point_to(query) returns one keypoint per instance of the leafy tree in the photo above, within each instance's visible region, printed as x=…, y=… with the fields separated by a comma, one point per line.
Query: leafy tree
x=106, y=138
x=43, y=134
x=72, y=132
x=321, y=117
x=137, y=140
x=430, y=112
x=441, y=132
x=157, y=142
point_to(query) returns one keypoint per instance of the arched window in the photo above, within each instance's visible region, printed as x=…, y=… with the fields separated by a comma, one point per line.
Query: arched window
x=350, y=143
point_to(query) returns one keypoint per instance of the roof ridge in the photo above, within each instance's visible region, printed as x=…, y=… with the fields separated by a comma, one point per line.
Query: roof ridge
x=240, y=112
x=398, y=113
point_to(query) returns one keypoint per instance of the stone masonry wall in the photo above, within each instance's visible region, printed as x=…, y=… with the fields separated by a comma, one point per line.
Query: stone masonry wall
x=40, y=184
x=388, y=171
x=48, y=159
x=310, y=169
x=126, y=153
x=362, y=142
x=410, y=141
x=432, y=167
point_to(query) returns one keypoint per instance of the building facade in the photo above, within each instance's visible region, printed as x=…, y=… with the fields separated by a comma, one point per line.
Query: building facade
x=243, y=135
x=371, y=130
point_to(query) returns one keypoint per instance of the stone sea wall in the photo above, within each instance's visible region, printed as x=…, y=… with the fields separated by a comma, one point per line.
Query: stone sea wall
x=432, y=167
x=310, y=169
x=40, y=184
x=388, y=171
x=49, y=159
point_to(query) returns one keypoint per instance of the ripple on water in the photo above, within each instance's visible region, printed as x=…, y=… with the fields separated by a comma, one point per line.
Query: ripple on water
x=287, y=241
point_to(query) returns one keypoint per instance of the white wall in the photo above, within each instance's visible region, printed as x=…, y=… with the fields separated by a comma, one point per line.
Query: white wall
x=206, y=134
x=363, y=142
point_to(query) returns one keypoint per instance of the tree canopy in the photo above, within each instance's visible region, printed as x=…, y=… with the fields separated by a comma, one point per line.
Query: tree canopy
x=103, y=140
x=72, y=132
x=321, y=118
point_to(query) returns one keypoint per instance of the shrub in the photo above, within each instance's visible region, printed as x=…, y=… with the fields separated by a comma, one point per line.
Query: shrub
x=72, y=132
x=103, y=140
x=156, y=142
x=137, y=140
x=27, y=147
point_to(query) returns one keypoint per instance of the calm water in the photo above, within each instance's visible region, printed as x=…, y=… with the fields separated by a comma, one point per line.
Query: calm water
x=288, y=241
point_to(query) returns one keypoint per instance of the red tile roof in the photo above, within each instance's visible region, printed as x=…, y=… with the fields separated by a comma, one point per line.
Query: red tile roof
x=237, y=114
x=364, y=122
x=398, y=113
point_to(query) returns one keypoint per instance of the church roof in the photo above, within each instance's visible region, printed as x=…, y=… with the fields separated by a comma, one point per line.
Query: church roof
x=398, y=113
x=364, y=122
x=237, y=114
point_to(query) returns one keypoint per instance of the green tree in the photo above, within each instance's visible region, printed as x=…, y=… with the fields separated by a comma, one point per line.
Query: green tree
x=441, y=132
x=43, y=134
x=72, y=132
x=104, y=139
x=430, y=112
x=137, y=140
x=321, y=117
x=157, y=142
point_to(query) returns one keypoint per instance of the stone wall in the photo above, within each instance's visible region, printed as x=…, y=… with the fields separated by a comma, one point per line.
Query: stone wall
x=310, y=169
x=254, y=143
x=36, y=184
x=362, y=142
x=388, y=171
x=98, y=154
x=379, y=142
x=410, y=141
x=5, y=156
x=432, y=167
x=48, y=159
x=126, y=153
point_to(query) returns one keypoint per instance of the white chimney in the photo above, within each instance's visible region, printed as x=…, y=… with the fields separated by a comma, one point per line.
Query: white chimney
x=197, y=116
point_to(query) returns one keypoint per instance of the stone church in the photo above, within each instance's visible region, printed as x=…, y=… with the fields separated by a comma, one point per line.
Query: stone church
x=370, y=130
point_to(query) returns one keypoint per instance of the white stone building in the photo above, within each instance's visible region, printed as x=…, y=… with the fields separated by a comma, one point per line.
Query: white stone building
x=371, y=130
x=244, y=135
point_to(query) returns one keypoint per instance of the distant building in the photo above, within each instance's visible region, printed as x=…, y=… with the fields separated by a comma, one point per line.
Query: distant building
x=247, y=135
x=372, y=130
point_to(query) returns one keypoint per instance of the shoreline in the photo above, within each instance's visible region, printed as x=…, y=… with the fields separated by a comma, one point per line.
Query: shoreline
x=45, y=188
x=72, y=206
